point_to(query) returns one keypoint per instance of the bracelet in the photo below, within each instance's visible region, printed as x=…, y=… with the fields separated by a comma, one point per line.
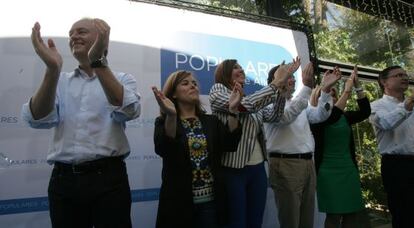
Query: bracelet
x=359, y=89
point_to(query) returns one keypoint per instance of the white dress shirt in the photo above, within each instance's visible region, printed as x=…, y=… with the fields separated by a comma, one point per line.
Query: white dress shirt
x=292, y=134
x=393, y=125
x=86, y=126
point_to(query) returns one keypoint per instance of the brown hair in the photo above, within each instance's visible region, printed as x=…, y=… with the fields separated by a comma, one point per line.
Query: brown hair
x=170, y=86
x=223, y=72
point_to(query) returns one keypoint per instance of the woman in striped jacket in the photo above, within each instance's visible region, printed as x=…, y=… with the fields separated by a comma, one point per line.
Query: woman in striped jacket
x=244, y=171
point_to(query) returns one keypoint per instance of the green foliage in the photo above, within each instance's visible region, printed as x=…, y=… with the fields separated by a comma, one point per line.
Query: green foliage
x=296, y=12
x=377, y=42
x=248, y=6
x=335, y=45
x=368, y=157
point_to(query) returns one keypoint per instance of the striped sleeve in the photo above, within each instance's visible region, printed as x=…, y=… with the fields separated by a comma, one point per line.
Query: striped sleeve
x=250, y=118
x=219, y=97
x=274, y=112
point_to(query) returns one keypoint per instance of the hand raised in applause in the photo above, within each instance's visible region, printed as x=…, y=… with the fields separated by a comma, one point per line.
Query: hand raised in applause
x=308, y=78
x=100, y=46
x=330, y=78
x=349, y=83
x=235, y=97
x=355, y=77
x=283, y=73
x=48, y=53
x=166, y=105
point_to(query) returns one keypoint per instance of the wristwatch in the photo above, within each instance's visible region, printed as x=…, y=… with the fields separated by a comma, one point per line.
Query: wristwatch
x=100, y=63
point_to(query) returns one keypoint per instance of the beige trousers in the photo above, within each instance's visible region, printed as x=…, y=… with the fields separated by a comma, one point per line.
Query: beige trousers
x=293, y=182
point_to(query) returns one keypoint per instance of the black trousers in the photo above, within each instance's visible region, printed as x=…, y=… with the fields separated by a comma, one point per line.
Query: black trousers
x=93, y=194
x=398, y=178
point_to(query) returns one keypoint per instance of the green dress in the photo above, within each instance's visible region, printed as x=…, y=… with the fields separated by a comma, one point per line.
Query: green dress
x=338, y=184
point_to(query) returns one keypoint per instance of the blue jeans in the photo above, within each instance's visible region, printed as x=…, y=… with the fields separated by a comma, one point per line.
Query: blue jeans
x=246, y=189
x=205, y=215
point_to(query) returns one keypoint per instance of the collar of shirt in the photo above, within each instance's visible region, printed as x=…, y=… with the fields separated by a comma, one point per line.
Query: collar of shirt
x=391, y=99
x=78, y=72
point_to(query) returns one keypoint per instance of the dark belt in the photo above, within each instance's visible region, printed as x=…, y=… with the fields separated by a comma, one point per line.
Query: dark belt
x=306, y=156
x=98, y=165
x=398, y=156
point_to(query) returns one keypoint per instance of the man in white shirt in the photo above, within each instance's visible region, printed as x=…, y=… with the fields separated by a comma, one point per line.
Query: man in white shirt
x=393, y=123
x=290, y=145
x=88, y=109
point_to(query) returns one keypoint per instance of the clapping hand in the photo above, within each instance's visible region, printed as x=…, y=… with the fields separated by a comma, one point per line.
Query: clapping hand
x=294, y=65
x=166, y=105
x=349, y=83
x=330, y=78
x=352, y=81
x=283, y=73
x=235, y=97
x=49, y=54
x=308, y=78
x=354, y=74
x=100, y=46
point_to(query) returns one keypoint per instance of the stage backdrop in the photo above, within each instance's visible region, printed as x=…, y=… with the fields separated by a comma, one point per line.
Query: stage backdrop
x=148, y=41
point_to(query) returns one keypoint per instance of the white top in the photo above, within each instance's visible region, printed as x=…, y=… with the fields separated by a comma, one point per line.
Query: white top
x=257, y=154
x=292, y=134
x=393, y=126
x=86, y=126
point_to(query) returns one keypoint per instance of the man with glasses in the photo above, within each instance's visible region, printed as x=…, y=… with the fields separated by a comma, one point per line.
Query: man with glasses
x=394, y=128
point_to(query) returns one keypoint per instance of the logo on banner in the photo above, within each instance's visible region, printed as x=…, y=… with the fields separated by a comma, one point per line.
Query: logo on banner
x=8, y=119
x=201, y=53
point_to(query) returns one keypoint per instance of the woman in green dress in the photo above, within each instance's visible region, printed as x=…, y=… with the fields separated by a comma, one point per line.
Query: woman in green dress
x=338, y=183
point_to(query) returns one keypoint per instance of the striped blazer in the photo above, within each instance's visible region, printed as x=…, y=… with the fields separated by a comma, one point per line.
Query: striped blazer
x=254, y=110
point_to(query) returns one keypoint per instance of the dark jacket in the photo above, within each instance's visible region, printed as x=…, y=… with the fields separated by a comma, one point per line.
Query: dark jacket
x=175, y=208
x=352, y=117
